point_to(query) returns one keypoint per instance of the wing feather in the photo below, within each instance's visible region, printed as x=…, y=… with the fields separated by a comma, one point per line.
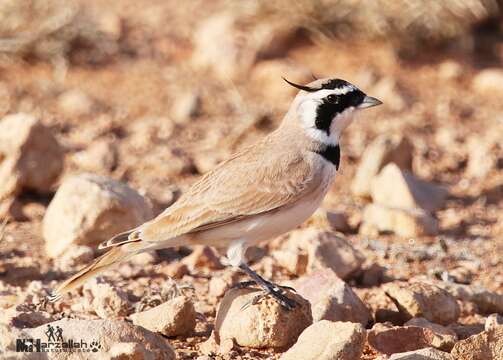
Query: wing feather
x=240, y=187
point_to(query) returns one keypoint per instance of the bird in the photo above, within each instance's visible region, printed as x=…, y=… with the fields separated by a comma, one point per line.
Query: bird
x=259, y=193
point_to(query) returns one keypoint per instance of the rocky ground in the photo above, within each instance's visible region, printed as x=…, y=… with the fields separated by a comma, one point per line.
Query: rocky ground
x=100, y=130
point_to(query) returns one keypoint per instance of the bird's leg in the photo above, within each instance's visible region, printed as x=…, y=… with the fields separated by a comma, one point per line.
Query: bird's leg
x=236, y=258
x=269, y=288
x=243, y=284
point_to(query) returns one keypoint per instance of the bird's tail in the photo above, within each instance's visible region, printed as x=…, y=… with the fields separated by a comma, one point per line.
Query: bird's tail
x=118, y=253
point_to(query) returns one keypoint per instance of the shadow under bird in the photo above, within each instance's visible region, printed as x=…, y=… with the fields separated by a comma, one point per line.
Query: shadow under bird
x=259, y=193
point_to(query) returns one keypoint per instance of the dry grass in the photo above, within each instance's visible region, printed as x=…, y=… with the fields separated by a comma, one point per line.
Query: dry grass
x=415, y=19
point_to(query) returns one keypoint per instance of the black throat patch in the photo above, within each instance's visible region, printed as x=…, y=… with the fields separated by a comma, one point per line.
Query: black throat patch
x=331, y=153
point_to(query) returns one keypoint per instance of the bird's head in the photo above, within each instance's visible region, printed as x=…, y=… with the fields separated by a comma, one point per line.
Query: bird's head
x=325, y=107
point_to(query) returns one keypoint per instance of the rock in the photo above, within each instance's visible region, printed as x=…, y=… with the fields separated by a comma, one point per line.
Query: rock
x=220, y=283
x=74, y=257
x=260, y=325
x=465, y=331
x=422, y=354
x=20, y=272
x=107, y=301
x=330, y=220
x=241, y=43
x=34, y=211
x=492, y=321
x=338, y=221
x=403, y=222
x=390, y=316
x=211, y=346
x=460, y=275
x=203, y=257
x=374, y=275
x=390, y=340
x=21, y=316
x=75, y=103
x=487, y=345
x=30, y=156
x=487, y=301
x=391, y=93
x=109, y=23
x=130, y=351
x=331, y=298
x=89, y=209
x=5, y=99
x=208, y=160
x=398, y=188
x=480, y=156
x=488, y=81
x=187, y=106
x=326, y=340
x=11, y=208
x=450, y=70
x=99, y=337
x=444, y=338
x=232, y=56
x=425, y=300
x=459, y=291
x=276, y=40
x=99, y=158
x=150, y=130
x=172, y=318
x=383, y=150
x=176, y=270
x=145, y=258
x=295, y=262
x=8, y=299
x=325, y=249
x=218, y=286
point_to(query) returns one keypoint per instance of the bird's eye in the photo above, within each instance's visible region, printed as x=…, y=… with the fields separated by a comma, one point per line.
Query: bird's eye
x=333, y=99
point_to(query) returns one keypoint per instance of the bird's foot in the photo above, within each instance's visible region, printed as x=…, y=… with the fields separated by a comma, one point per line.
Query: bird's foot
x=278, y=296
x=253, y=284
x=269, y=288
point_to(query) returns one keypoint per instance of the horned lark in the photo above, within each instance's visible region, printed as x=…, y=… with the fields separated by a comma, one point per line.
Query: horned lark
x=259, y=193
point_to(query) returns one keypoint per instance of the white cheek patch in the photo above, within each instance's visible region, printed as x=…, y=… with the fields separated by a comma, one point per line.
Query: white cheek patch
x=307, y=115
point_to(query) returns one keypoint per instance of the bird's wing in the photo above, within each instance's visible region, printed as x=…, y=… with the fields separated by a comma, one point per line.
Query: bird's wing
x=245, y=185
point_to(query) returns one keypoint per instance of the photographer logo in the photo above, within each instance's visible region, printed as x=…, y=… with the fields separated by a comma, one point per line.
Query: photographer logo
x=56, y=343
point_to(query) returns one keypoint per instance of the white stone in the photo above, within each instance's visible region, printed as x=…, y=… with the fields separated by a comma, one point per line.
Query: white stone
x=260, y=325
x=399, y=188
x=89, y=209
x=383, y=150
x=326, y=340
x=30, y=156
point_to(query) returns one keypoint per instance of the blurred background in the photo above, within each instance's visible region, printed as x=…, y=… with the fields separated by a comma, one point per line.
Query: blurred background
x=154, y=93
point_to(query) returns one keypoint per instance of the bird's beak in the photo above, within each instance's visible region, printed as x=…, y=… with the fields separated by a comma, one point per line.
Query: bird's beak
x=369, y=101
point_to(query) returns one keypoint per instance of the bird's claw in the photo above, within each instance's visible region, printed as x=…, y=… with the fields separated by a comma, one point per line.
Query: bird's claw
x=252, y=283
x=283, y=300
